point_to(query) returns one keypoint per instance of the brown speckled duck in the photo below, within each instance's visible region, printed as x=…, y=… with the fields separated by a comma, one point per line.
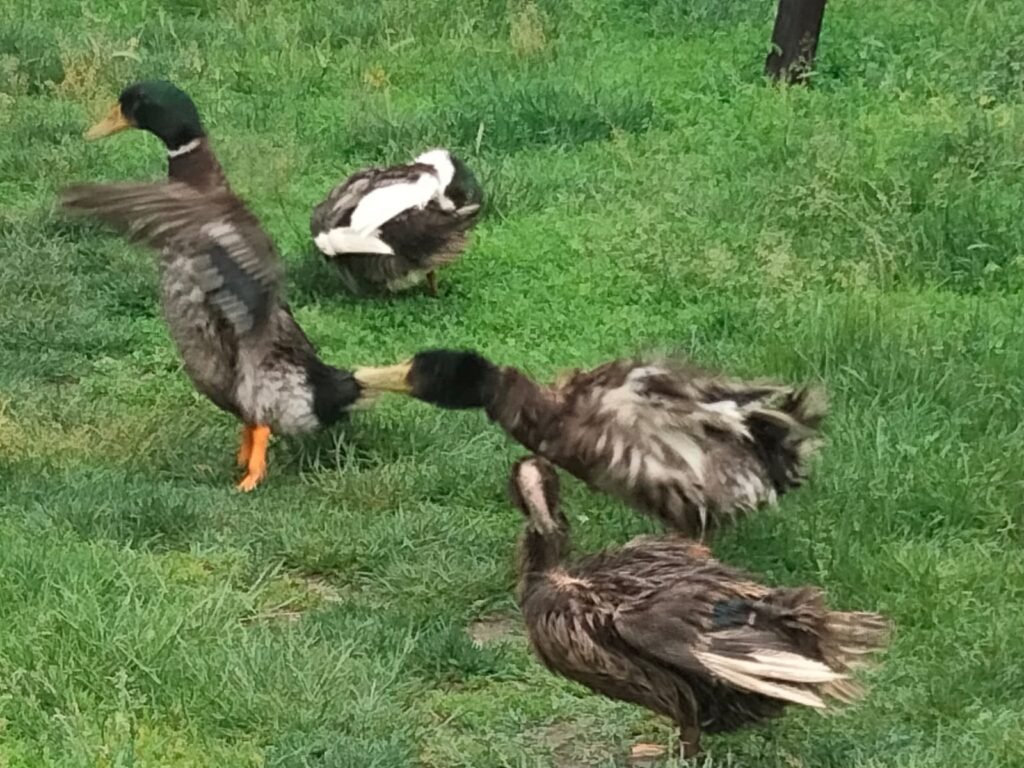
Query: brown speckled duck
x=689, y=447
x=220, y=281
x=662, y=624
x=391, y=228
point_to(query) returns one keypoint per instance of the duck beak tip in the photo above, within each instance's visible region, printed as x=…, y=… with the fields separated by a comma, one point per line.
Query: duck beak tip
x=114, y=122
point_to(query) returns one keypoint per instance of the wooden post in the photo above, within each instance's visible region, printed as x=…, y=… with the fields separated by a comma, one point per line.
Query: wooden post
x=795, y=40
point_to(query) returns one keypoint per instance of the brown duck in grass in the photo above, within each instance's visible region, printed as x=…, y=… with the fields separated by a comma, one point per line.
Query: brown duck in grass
x=662, y=624
x=694, y=449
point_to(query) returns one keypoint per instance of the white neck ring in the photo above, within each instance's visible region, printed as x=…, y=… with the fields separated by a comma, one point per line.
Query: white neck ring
x=184, y=149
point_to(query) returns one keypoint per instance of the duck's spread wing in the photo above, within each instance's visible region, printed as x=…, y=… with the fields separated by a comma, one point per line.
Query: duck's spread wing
x=694, y=448
x=226, y=251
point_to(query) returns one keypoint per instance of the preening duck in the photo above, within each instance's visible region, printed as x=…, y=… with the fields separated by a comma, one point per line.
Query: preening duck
x=391, y=228
x=220, y=282
x=692, y=448
x=662, y=624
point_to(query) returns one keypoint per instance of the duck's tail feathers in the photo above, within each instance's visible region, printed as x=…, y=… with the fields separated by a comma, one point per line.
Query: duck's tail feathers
x=789, y=646
x=853, y=637
x=849, y=642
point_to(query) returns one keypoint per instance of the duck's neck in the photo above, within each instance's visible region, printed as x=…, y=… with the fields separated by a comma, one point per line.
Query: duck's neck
x=526, y=410
x=540, y=553
x=194, y=163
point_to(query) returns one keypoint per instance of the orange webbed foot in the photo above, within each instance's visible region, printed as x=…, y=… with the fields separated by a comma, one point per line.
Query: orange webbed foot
x=256, y=464
x=245, y=447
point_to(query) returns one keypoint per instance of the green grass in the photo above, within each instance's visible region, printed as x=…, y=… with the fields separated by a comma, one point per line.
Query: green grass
x=647, y=191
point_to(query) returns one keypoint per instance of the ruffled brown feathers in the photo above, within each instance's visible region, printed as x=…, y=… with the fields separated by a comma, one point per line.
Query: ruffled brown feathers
x=661, y=624
x=693, y=449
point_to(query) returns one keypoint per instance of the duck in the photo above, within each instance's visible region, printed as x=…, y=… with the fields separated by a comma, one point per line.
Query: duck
x=690, y=447
x=662, y=624
x=391, y=228
x=163, y=109
x=221, y=282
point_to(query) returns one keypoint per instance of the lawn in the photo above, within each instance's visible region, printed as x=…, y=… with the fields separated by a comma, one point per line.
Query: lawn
x=647, y=191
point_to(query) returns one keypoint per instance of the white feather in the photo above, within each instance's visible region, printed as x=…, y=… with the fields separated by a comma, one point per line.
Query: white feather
x=441, y=161
x=531, y=486
x=184, y=149
x=731, y=413
x=345, y=240
x=637, y=375
x=636, y=463
x=750, y=487
x=623, y=404
x=768, y=673
x=686, y=449
x=383, y=204
x=793, y=668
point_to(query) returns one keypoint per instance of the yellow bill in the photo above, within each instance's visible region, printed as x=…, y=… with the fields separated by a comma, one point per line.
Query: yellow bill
x=392, y=378
x=114, y=122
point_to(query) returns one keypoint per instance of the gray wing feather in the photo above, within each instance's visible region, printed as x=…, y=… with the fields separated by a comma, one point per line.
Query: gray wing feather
x=341, y=201
x=235, y=261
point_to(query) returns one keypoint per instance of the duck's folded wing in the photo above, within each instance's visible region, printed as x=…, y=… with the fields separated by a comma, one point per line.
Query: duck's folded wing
x=336, y=209
x=369, y=199
x=748, y=658
x=217, y=239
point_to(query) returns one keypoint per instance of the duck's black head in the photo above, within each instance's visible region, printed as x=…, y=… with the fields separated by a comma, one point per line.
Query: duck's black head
x=535, y=489
x=465, y=185
x=443, y=377
x=156, y=106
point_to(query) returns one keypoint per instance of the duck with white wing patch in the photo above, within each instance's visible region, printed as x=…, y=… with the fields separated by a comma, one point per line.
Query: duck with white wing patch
x=392, y=228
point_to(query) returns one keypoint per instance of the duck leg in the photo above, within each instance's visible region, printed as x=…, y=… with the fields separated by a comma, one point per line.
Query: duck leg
x=689, y=724
x=432, y=283
x=256, y=465
x=245, y=447
x=689, y=741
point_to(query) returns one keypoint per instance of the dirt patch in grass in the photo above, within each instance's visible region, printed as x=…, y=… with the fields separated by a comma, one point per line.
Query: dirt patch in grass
x=290, y=596
x=575, y=745
x=559, y=737
x=497, y=628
